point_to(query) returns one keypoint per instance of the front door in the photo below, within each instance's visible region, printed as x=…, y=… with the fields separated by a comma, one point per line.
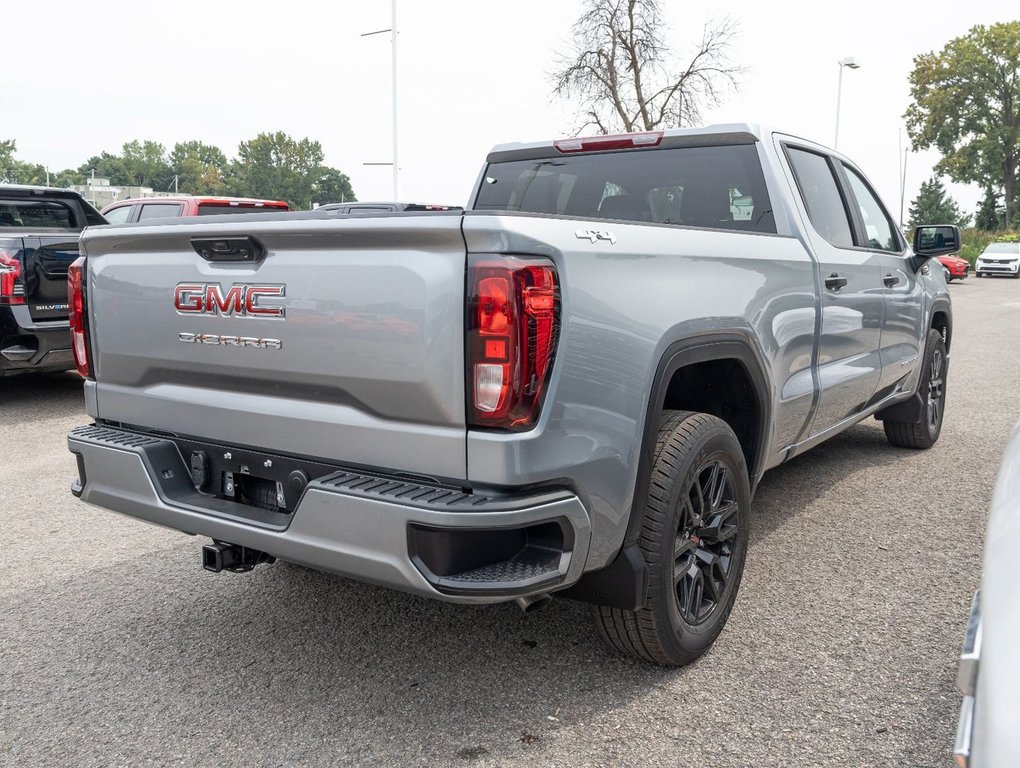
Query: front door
x=903, y=324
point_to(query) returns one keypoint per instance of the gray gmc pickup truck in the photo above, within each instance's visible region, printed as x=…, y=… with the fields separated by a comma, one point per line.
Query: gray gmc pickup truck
x=572, y=387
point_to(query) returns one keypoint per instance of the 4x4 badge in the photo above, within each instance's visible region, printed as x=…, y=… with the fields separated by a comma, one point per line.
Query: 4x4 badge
x=594, y=235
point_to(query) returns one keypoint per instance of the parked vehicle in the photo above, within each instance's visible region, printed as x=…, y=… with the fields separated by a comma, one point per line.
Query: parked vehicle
x=143, y=209
x=344, y=208
x=989, y=673
x=573, y=387
x=39, y=230
x=958, y=268
x=999, y=259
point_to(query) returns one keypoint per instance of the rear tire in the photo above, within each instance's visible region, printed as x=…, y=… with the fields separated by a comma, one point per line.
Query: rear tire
x=694, y=534
x=932, y=388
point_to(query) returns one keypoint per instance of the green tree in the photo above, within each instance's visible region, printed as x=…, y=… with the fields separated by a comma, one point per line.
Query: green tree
x=933, y=205
x=275, y=166
x=13, y=171
x=966, y=103
x=7, y=162
x=332, y=186
x=990, y=215
x=107, y=166
x=200, y=168
x=147, y=164
x=141, y=164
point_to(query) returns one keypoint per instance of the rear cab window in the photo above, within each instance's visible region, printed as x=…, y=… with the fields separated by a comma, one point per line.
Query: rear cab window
x=37, y=214
x=220, y=209
x=718, y=187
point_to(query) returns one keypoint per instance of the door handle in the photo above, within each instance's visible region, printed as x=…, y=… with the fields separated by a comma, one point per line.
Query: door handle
x=890, y=280
x=834, y=282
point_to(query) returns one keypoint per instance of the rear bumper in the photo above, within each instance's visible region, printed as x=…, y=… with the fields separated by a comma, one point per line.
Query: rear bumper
x=438, y=542
x=27, y=346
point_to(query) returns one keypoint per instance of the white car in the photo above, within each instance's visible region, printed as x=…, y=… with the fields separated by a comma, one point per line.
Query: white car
x=989, y=674
x=999, y=259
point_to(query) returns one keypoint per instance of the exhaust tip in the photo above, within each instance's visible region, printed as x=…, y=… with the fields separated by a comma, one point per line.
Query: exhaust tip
x=533, y=603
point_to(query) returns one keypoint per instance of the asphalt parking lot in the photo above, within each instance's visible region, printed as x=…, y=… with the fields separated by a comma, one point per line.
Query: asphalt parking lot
x=116, y=647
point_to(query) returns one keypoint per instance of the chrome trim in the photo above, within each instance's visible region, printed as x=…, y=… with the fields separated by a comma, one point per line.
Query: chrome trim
x=970, y=655
x=964, y=733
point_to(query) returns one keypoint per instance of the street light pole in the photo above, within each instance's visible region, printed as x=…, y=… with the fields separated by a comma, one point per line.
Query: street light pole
x=849, y=63
x=393, y=44
x=393, y=40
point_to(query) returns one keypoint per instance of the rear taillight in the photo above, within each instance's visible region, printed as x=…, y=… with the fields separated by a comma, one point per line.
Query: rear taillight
x=513, y=317
x=76, y=303
x=12, y=287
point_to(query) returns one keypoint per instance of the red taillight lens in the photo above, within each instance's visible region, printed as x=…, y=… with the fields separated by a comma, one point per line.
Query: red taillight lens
x=12, y=288
x=513, y=314
x=76, y=303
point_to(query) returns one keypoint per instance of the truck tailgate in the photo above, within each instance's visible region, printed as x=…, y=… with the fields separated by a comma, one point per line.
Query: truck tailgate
x=47, y=258
x=365, y=366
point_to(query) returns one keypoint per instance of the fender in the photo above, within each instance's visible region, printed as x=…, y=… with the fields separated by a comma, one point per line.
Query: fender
x=624, y=582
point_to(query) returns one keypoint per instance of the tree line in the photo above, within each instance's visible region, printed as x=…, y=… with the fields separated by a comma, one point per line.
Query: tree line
x=271, y=166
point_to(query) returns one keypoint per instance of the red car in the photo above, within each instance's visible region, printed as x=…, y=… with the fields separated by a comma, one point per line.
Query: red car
x=140, y=209
x=958, y=268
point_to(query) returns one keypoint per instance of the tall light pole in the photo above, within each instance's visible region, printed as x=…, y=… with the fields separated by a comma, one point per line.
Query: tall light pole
x=393, y=44
x=848, y=63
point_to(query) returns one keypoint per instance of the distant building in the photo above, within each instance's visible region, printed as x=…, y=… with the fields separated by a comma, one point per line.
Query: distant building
x=100, y=193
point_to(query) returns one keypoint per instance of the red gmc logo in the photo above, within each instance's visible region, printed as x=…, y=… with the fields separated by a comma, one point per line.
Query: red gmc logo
x=239, y=300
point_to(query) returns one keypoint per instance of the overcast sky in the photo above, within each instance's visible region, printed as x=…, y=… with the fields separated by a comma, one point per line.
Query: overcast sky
x=85, y=77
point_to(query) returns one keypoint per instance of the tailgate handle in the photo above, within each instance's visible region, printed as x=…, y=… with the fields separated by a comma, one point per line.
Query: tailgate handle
x=245, y=248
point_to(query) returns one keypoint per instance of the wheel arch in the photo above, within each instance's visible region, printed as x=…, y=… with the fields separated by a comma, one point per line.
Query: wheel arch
x=624, y=582
x=942, y=320
x=684, y=355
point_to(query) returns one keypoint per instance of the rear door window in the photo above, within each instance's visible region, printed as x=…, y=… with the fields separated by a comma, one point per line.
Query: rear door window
x=821, y=196
x=118, y=215
x=720, y=187
x=879, y=232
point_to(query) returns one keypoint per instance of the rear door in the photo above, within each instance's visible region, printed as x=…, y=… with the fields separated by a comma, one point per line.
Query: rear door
x=903, y=321
x=850, y=278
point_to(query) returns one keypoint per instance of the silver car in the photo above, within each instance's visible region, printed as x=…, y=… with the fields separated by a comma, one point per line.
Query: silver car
x=989, y=677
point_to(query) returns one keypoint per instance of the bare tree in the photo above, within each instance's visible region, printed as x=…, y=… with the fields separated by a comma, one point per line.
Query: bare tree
x=621, y=72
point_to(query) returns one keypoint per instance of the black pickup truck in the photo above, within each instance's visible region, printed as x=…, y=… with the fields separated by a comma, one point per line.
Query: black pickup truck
x=39, y=230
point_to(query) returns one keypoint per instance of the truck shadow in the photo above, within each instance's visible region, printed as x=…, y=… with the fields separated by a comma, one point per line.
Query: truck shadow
x=794, y=486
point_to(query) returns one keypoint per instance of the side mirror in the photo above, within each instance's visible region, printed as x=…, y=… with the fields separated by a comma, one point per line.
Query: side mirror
x=936, y=240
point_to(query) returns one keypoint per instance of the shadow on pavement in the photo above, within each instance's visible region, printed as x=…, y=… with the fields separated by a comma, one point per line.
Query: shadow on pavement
x=24, y=396
x=312, y=667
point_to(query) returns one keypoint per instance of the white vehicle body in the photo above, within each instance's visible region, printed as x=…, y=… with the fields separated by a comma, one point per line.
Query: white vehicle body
x=989, y=675
x=999, y=259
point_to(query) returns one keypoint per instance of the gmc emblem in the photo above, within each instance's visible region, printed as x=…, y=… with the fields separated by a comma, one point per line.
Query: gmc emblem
x=239, y=301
